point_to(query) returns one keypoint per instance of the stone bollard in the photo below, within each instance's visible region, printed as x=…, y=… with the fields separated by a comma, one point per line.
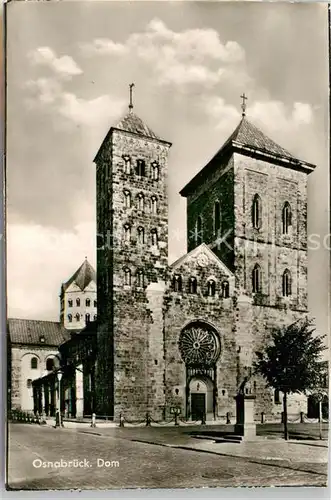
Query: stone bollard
x=301, y=417
x=228, y=415
x=262, y=417
x=93, y=424
x=121, y=420
x=148, y=420
x=203, y=419
x=176, y=419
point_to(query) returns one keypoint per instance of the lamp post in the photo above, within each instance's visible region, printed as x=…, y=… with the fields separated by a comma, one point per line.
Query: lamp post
x=59, y=375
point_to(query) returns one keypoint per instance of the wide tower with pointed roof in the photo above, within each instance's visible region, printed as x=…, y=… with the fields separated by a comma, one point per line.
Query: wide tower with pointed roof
x=78, y=298
x=132, y=227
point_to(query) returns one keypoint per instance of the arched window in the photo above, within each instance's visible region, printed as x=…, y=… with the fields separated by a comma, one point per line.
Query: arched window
x=49, y=364
x=155, y=171
x=140, y=278
x=217, y=219
x=127, y=164
x=88, y=302
x=34, y=363
x=140, y=235
x=211, y=288
x=140, y=168
x=287, y=283
x=177, y=283
x=69, y=303
x=256, y=279
x=87, y=318
x=257, y=212
x=70, y=318
x=225, y=290
x=95, y=303
x=154, y=205
x=77, y=317
x=199, y=231
x=277, y=397
x=141, y=202
x=193, y=285
x=127, y=276
x=154, y=237
x=78, y=302
x=127, y=233
x=29, y=383
x=286, y=217
x=127, y=199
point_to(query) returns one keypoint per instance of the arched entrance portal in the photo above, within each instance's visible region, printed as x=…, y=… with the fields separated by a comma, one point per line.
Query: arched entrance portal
x=199, y=345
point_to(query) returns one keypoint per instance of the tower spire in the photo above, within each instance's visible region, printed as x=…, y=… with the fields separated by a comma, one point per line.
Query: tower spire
x=131, y=103
x=243, y=104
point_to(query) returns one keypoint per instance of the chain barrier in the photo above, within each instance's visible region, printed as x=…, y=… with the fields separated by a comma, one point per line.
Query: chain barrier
x=163, y=422
x=189, y=422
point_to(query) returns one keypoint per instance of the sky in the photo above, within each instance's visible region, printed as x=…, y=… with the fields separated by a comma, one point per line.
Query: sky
x=69, y=65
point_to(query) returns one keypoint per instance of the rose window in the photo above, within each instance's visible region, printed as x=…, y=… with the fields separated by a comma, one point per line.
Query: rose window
x=199, y=345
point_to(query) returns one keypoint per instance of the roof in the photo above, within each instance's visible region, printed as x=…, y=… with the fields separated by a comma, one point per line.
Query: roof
x=82, y=277
x=30, y=331
x=251, y=141
x=132, y=123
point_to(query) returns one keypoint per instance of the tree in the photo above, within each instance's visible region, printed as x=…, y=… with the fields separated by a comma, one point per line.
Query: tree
x=291, y=362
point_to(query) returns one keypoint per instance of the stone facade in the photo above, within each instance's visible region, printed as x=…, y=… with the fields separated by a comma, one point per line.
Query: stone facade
x=184, y=335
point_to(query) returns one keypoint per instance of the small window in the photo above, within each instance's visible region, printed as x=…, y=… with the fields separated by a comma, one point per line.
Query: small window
x=49, y=364
x=29, y=383
x=127, y=199
x=127, y=165
x=257, y=212
x=154, y=237
x=70, y=303
x=95, y=303
x=127, y=276
x=127, y=233
x=225, y=290
x=193, y=285
x=286, y=218
x=177, y=283
x=140, y=235
x=70, y=318
x=141, y=202
x=155, y=361
x=140, y=168
x=277, y=397
x=154, y=205
x=256, y=279
x=78, y=302
x=140, y=278
x=88, y=302
x=211, y=288
x=155, y=171
x=87, y=318
x=77, y=317
x=287, y=283
x=34, y=363
x=199, y=231
x=217, y=219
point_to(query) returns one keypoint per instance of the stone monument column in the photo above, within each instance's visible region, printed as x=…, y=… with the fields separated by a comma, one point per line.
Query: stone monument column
x=79, y=391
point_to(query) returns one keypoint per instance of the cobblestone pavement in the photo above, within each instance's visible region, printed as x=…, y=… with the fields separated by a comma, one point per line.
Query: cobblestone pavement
x=140, y=464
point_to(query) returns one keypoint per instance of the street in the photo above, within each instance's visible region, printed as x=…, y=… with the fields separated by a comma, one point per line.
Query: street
x=115, y=460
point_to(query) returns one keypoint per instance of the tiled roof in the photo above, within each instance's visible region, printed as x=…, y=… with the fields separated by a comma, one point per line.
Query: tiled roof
x=82, y=277
x=254, y=143
x=132, y=123
x=30, y=331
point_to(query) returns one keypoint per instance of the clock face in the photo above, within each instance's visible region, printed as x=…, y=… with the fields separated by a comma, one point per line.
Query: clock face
x=199, y=345
x=202, y=260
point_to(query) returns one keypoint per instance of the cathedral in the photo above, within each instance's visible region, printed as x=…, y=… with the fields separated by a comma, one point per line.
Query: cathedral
x=184, y=335
x=181, y=337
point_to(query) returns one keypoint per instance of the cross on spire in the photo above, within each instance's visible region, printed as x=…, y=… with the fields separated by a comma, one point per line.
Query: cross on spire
x=131, y=105
x=243, y=104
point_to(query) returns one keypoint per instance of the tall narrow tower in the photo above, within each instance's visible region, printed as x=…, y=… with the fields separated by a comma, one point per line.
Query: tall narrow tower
x=132, y=227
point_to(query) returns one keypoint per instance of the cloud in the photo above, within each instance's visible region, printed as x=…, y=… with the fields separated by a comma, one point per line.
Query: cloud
x=64, y=66
x=41, y=246
x=276, y=116
x=189, y=57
